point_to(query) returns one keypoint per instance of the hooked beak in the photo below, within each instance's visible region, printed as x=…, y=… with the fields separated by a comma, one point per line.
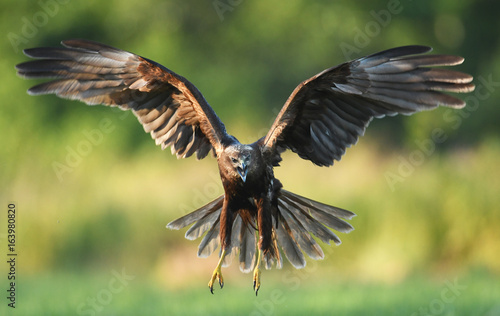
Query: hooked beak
x=242, y=171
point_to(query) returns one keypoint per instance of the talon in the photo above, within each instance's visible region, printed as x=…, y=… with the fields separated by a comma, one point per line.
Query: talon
x=256, y=274
x=256, y=280
x=217, y=274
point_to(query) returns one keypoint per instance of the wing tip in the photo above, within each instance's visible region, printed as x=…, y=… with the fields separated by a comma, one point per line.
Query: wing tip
x=34, y=91
x=42, y=88
x=458, y=105
x=31, y=52
x=455, y=60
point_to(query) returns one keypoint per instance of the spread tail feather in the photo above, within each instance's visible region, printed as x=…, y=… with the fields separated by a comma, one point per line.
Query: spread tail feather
x=207, y=218
x=295, y=221
x=299, y=217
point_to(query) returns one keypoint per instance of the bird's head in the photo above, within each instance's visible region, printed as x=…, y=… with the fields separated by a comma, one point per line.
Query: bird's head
x=237, y=160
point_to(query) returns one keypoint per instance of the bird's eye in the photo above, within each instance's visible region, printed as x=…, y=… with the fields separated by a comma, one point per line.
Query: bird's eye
x=234, y=160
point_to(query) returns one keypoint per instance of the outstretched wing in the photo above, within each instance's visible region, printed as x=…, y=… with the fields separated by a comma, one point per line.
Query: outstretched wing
x=166, y=104
x=328, y=112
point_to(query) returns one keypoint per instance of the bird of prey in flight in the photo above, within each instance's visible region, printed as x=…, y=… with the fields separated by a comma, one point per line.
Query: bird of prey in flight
x=324, y=115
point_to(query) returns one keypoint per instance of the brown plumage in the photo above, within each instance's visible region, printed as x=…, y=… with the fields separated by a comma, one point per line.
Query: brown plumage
x=322, y=117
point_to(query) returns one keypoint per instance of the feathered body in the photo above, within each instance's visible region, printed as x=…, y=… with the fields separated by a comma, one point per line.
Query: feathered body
x=323, y=116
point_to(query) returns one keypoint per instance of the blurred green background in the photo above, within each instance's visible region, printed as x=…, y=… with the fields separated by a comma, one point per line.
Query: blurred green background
x=91, y=237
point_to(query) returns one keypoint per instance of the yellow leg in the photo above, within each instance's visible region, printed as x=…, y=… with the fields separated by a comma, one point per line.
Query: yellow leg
x=217, y=273
x=256, y=273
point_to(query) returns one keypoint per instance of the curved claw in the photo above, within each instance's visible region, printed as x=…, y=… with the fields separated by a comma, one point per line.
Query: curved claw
x=256, y=280
x=256, y=273
x=217, y=274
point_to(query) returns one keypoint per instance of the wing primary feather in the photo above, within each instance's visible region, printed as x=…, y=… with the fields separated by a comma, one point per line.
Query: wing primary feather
x=396, y=81
x=100, y=74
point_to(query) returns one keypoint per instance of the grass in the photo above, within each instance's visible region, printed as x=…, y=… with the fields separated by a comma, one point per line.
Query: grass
x=283, y=293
